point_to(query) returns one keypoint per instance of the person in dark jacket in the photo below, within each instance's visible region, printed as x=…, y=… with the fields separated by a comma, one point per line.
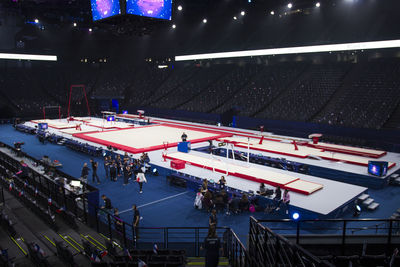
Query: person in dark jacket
x=212, y=246
x=107, y=166
x=113, y=171
x=85, y=171
x=94, y=171
x=127, y=174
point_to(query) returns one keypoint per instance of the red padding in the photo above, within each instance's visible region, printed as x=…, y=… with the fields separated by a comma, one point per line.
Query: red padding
x=177, y=164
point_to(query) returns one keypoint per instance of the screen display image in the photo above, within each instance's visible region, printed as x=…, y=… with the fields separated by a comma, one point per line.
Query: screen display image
x=160, y=9
x=102, y=9
x=43, y=126
x=378, y=168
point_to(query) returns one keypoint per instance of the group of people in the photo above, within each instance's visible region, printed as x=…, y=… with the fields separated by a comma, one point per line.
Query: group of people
x=278, y=198
x=220, y=200
x=125, y=166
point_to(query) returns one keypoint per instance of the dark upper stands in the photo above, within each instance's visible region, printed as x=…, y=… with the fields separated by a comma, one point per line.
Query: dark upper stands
x=362, y=95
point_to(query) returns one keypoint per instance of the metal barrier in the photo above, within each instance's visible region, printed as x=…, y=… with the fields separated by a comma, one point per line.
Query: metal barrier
x=386, y=229
x=270, y=249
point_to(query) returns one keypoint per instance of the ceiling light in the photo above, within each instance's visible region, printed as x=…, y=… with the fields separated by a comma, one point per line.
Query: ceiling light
x=204, y=20
x=290, y=5
x=272, y=13
x=180, y=8
x=173, y=26
x=242, y=13
x=318, y=4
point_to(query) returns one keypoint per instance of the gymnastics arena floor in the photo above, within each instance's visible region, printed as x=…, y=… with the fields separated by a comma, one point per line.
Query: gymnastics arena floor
x=164, y=205
x=314, y=194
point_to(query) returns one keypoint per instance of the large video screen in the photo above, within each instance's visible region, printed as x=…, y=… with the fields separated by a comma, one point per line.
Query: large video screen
x=160, y=9
x=102, y=9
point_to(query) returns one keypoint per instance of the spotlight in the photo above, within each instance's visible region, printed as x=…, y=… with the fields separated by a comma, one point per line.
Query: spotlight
x=155, y=172
x=173, y=26
x=295, y=216
x=357, y=210
x=272, y=13
x=242, y=13
x=318, y=4
x=235, y=18
x=290, y=5
x=180, y=8
x=204, y=20
x=90, y=30
x=75, y=24
x=36, y=21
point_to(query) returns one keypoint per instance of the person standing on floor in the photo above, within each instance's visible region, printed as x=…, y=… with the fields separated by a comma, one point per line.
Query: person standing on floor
x=107, y=167
x=212, y=246
x=107, y=203
x=212, y=221
x=135, y=222
x=94, y=171
x=118, y=161
x=85, y=172
x=286, y=200
x=113, y=171
x=127, y=174
x=140, y=178
x=278, y=197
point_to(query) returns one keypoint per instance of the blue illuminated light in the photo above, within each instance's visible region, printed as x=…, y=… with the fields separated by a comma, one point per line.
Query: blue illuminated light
x=161, y=9
x=102, y=9
x=295, y=216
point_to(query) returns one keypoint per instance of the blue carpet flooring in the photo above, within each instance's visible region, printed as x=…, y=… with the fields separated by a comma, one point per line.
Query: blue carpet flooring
x=176, y=211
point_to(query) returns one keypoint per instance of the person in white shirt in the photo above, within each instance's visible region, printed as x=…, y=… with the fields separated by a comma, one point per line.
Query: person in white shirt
x=198, y=202
x=140, y=178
